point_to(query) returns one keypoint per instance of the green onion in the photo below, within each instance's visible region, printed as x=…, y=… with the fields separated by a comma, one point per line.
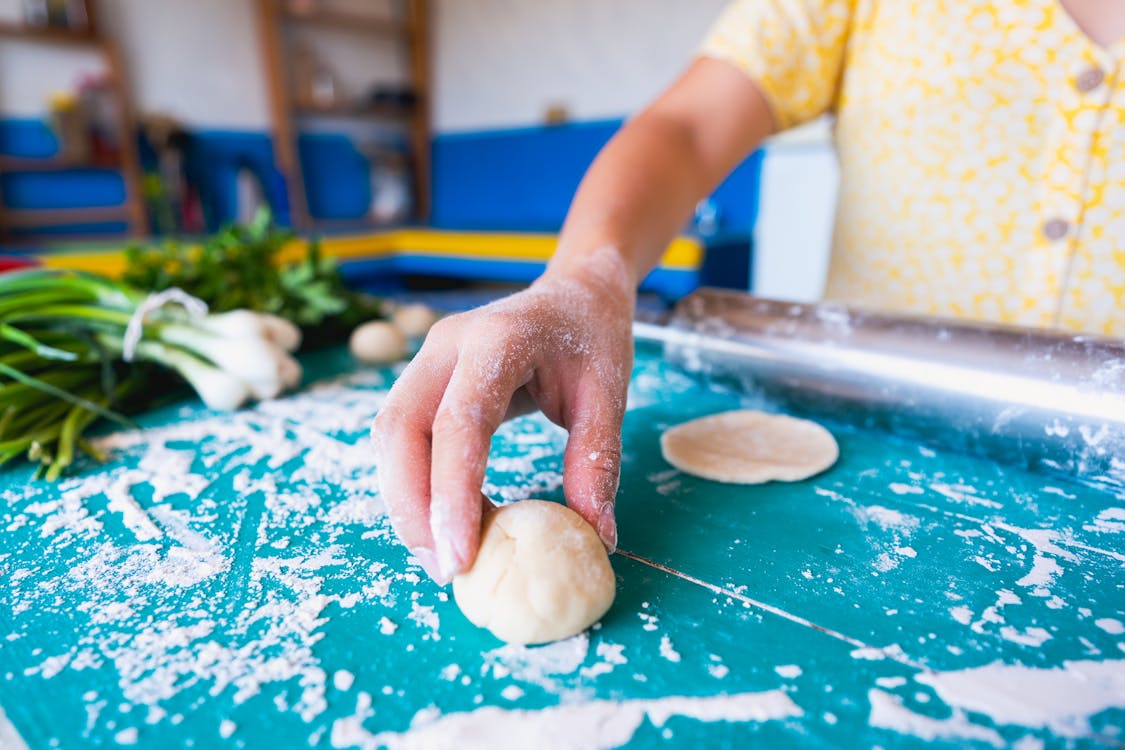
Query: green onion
x=62, y=359
x=63, y=342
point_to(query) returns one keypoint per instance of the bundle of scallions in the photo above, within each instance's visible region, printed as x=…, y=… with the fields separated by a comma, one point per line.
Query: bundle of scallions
x=75, y=347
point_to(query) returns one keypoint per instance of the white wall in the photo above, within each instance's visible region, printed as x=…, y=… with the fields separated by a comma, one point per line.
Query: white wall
x=197, y=60
x=496, y=63
x=501, y=63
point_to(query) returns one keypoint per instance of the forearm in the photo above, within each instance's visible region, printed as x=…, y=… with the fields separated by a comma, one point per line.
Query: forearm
x=645, y=183
x=637, y=195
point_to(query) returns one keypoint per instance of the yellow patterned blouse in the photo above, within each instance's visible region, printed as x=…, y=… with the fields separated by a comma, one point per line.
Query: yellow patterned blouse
x=981, y=146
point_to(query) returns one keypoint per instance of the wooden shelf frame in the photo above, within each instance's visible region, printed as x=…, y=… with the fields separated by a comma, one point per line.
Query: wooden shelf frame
x=49, y=34
x=38, y=217
x=346, y=21
x=361, y=112
x=52, y=164
x=411, y=30
x=418, y=22
x=132, y=211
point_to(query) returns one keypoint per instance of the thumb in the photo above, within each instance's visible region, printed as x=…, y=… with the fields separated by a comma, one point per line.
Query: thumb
x=592, y=462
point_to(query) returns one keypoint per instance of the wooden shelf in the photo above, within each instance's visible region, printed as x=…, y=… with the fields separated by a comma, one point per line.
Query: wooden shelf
x=132, y=212
x=41, y=217
x=308, y=109
x=52, y=164
x=410, y=26
x=343, y=21
x=54, y=34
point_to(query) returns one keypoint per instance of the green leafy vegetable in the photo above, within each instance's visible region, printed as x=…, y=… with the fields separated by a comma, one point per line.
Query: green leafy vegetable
x=238, y=268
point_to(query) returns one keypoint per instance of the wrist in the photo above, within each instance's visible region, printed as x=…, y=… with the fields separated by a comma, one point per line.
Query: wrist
x=603, y=271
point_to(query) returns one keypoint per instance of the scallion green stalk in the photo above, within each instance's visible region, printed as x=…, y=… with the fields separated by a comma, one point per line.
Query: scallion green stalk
x=62, y=359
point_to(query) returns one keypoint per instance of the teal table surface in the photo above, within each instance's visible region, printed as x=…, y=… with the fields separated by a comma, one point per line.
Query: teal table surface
x=231, y=580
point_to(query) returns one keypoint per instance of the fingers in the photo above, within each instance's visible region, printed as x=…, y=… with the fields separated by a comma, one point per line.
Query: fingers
x=401, y=435
x=434, y=432
x=471, y=410
x=592, y=463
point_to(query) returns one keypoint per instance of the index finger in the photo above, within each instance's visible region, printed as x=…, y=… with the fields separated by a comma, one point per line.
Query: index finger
x=473, y=407
x=401, y=436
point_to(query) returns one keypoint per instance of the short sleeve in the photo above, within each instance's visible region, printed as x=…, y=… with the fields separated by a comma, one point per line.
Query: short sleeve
x=792, y=49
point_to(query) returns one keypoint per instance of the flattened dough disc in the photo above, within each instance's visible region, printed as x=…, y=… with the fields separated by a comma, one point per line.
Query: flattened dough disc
x=749, y=447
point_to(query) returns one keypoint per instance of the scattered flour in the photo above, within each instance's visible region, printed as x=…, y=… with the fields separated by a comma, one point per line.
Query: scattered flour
x=1109, y=521
x=962, y=614
x=868, y=653
x=889, y=519
x=1044, y=566
x=592, y=725
x=962, y=493
x=993, y=615
x=1110, y=625
x=718, y=671
x=1061, y=699
x=886, y=518
x=1033, y=636
x=611, y=655
x=426, y=617
x=538, y=665
x=888, y=712
x=177, y=544
x=127, y=736
x=788, y=671
x=988, y=563
x=9, y=738
x=199, y=575
x=668, y=651
x=885, y=562
x=663, y=476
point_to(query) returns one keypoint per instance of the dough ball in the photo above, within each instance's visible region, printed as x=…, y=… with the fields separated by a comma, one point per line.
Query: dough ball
x=541, y=574
x=749, y=447
x=414, y=320
x=377, y=343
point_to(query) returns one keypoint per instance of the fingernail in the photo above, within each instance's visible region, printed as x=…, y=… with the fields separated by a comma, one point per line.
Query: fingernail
x=429, y=563
x=449, y=559
x=607, y=527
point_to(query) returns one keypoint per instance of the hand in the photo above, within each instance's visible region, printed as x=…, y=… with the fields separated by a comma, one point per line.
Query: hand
x=566, y=343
